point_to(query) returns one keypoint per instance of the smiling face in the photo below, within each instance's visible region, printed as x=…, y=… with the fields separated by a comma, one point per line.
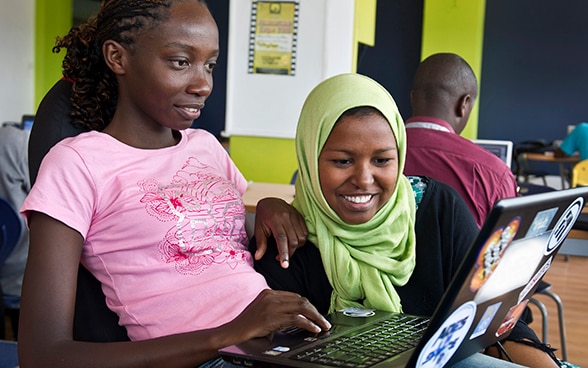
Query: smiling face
x=358, y=166
x=168, y=71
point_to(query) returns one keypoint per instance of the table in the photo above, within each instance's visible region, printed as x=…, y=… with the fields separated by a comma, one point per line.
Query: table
x=549, y=156
x=257, y=190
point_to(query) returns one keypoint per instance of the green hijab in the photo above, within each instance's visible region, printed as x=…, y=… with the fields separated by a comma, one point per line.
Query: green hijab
x=364, y=262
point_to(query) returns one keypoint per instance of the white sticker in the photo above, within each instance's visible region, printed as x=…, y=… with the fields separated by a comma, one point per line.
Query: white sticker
x=448, y=338
x=564, y=225
x=486, y=320
x=536, y=278
x=358, y=312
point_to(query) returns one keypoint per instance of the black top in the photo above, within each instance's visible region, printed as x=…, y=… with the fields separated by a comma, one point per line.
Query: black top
x=445, y=228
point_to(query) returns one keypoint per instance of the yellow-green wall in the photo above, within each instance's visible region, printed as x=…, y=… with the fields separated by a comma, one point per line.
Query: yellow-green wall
x=271, y=160
x=456, y=26
x=52, y=18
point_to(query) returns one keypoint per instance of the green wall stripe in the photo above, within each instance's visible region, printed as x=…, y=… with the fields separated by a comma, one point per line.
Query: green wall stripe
x=456, y=26
x=52, y=18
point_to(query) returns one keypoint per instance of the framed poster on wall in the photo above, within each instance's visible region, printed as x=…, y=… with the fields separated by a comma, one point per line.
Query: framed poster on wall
x=278, y=51
x=273, y=37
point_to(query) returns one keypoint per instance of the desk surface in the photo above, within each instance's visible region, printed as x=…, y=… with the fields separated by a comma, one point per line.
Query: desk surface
x=256, y=191
x=549, y=157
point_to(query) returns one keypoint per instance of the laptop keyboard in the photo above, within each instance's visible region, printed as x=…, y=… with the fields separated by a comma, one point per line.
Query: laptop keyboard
x=364, y=348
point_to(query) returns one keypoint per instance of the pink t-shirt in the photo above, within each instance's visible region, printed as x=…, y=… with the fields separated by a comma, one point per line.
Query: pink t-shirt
x=163, y=229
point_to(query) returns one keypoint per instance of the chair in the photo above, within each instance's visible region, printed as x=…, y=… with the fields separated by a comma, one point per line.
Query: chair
x=93, y=320
x=8, y=354
x=525, y=188
x=580, y=174
x=580, y=229
x=10, y=232
x=10, y=229
x=544, y=288
x=294, y=177
x=526, y=171
x=522, y=168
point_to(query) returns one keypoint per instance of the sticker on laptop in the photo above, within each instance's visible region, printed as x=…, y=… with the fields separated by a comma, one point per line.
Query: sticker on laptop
x=541, y=222
x=492, y=252
x=448, y=338
x=358, y=312
x=486, y=320
x=564, y=225
x=277, y=350
x=511, y=318
x=535, y=279
x=272, y=352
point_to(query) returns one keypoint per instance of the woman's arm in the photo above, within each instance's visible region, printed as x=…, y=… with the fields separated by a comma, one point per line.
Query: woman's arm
x=274, y=217
x=48, y=303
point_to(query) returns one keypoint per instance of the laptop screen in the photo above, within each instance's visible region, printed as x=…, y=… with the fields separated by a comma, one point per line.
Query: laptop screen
x=501, y=148
x=27, y=122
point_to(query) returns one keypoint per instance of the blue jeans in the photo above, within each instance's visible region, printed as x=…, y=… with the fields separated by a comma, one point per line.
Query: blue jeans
x=478, y=360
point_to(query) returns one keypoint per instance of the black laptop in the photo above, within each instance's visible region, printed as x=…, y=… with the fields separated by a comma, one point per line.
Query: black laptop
x=512, y=252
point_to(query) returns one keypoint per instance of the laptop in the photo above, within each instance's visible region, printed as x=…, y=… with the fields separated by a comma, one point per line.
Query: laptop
x=27, y=121
x=499, y=274
x=501, y=148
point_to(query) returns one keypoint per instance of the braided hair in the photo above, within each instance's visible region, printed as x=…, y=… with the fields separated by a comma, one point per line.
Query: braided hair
x=95, y=88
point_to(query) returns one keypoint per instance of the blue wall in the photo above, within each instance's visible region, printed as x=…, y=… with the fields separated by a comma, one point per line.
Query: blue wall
x=213, y=116
x=396, y=55
x=534, y=78
x=534, y=69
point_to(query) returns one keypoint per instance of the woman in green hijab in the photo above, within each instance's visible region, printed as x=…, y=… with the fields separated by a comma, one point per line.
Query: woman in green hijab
x=363, y=227
x=362, y=214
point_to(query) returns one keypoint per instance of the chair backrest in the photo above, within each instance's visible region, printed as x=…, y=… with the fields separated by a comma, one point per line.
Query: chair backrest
x=529, y=189
x=580, y=174
x=93, y=321
x=10, y=229
x=294, y=177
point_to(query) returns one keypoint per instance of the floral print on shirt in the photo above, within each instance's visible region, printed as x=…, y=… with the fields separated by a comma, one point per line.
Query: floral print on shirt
x=208, y=218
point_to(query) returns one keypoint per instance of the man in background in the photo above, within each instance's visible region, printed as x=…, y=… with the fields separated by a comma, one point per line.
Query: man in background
x=575, y=141
x=14, y=187
x=443, y=95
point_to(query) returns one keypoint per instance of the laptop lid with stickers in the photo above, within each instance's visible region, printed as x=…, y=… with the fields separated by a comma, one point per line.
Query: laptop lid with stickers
x=512, y=252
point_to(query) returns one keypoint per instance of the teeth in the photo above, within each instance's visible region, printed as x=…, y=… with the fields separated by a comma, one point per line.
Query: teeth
x=191, y=109
x=358, y=199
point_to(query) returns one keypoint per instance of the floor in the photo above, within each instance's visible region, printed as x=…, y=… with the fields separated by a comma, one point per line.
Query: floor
x=553, y=181
x=569, y=280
